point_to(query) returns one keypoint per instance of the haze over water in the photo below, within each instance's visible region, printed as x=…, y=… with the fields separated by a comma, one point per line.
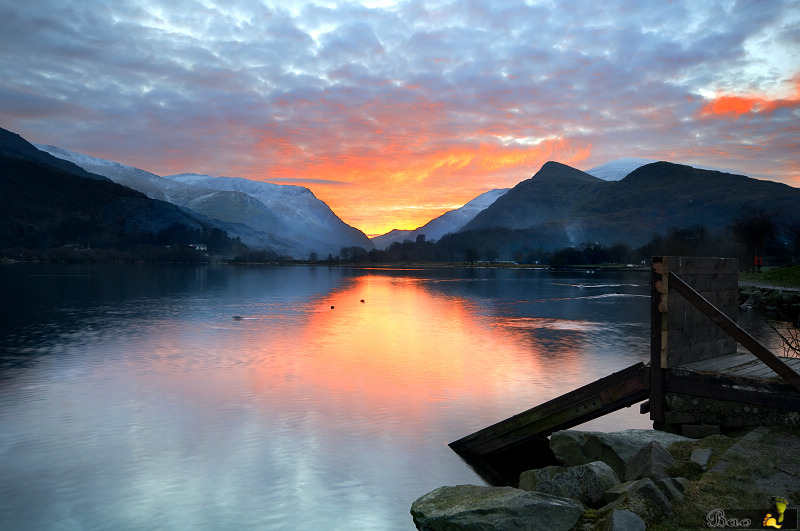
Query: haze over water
x=131, y=399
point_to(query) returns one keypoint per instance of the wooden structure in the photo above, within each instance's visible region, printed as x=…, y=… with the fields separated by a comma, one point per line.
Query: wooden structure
x=693, y=350
x=694, y=365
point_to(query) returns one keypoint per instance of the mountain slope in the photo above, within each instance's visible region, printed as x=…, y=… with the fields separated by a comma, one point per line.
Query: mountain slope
x=557, y=207
x=448, y=222
x=285, y=220
x=305, y=218
x=46, y=202
x=548, y=195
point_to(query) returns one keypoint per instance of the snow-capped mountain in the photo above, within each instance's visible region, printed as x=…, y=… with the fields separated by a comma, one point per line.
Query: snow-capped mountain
x=303, y=217
x=618, y=169
x=450, y=221
x=289, y=220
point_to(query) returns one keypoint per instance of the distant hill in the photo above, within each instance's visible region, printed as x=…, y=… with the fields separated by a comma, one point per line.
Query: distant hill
x=561, y=206
x=450, y=221
x=553, y=191
x=284, y=219
x=48, y=202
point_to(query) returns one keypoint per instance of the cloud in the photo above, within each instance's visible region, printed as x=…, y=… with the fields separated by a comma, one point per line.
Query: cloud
x=407, y=100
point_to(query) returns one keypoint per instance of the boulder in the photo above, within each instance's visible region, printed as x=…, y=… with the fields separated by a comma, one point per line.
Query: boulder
x=673, y=488
x=649, y=462
x=645, y=499
x=615, y=449
x=470, y=507
x=586, y=483
x=622, y=520
x=701, y=456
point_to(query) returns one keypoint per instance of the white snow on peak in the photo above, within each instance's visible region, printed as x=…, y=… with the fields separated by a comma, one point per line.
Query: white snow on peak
x=617, y=169
x=450, y=221
x=286, y=218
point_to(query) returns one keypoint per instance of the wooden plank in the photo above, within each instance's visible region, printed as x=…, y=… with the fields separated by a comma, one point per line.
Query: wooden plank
x=720, y=363
x=744, y=339
x=690, y=335
x=770, y=393
x=658, y=320
x=618, y=390
x=702, y=264
x=690, y=316
x=682, y=355
x=710, y=283
x=720, y=298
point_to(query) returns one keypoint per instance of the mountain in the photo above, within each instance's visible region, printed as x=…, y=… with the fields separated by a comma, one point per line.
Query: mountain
x=48, y=202
x=450, y=221
x=553, y=190
x=302, y=217
x=561, y=206
x=287, y=220
x=617, y=169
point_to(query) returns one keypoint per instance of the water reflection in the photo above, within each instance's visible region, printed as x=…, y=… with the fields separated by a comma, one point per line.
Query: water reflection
x=130, y=398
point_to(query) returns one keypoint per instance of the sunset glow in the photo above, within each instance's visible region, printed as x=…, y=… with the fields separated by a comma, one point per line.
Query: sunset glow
x=396, y=112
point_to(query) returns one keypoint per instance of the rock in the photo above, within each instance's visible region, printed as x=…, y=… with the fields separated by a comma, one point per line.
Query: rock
x=645, y=499
x=673, y=488
x=624, y=521
x=470, y=507
x=573, y=448
x=649, y=462
x=616, y=491
x=701, y=456
x=586, y=483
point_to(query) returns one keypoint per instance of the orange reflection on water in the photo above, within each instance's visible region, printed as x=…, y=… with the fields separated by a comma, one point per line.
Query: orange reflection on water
x=404, y=347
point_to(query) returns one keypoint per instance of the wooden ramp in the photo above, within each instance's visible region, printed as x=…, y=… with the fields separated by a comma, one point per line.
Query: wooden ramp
x=502, y=451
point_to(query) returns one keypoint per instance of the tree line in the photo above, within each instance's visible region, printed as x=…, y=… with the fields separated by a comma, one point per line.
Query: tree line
x=756, y=237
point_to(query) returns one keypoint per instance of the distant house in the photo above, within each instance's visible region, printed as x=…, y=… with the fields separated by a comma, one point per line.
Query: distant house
x=199, y=246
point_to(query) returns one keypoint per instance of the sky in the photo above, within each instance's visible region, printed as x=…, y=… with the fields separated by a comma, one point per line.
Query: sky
x=394, y=112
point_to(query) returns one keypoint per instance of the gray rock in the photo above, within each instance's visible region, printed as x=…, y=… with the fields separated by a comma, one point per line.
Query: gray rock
x=673, y=488
x=615, y=449
x=645, y=499
x=616, y=491
x=701, y=456
x=649, y=462
x=470, y=507
x=622, y=520
x=586, y=483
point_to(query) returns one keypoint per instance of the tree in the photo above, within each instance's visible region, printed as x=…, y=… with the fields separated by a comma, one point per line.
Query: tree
x=753, y=229
x=470, y=255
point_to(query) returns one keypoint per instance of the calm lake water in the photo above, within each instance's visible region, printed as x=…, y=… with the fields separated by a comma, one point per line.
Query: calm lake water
x=131, y=399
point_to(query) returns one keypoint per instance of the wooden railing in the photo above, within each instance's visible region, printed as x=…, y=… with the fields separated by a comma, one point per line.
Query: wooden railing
x=713, y=274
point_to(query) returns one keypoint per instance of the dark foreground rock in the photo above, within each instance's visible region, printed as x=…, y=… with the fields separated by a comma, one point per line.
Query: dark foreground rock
x=470, y=507
x=572, y=447
x=622, y=520
x=585, y=483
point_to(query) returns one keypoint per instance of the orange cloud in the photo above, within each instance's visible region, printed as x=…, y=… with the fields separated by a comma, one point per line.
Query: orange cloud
x=728, y=105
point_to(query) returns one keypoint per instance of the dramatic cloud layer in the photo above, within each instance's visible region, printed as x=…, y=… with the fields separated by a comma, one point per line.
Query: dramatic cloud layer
x=393, y=112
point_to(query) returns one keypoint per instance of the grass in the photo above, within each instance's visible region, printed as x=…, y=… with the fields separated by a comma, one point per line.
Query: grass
x=788, y=277
x=732, y=489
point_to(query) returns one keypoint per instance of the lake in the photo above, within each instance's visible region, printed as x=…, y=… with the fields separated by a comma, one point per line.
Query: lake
x=131, y=398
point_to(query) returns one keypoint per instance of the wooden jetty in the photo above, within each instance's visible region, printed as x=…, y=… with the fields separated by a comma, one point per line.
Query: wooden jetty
x=696, y=381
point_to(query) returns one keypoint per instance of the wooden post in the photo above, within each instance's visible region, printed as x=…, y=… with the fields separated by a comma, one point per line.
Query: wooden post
x=658, y=308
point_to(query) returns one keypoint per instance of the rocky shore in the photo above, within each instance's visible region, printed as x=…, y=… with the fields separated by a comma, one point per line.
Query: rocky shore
x=628, y=480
